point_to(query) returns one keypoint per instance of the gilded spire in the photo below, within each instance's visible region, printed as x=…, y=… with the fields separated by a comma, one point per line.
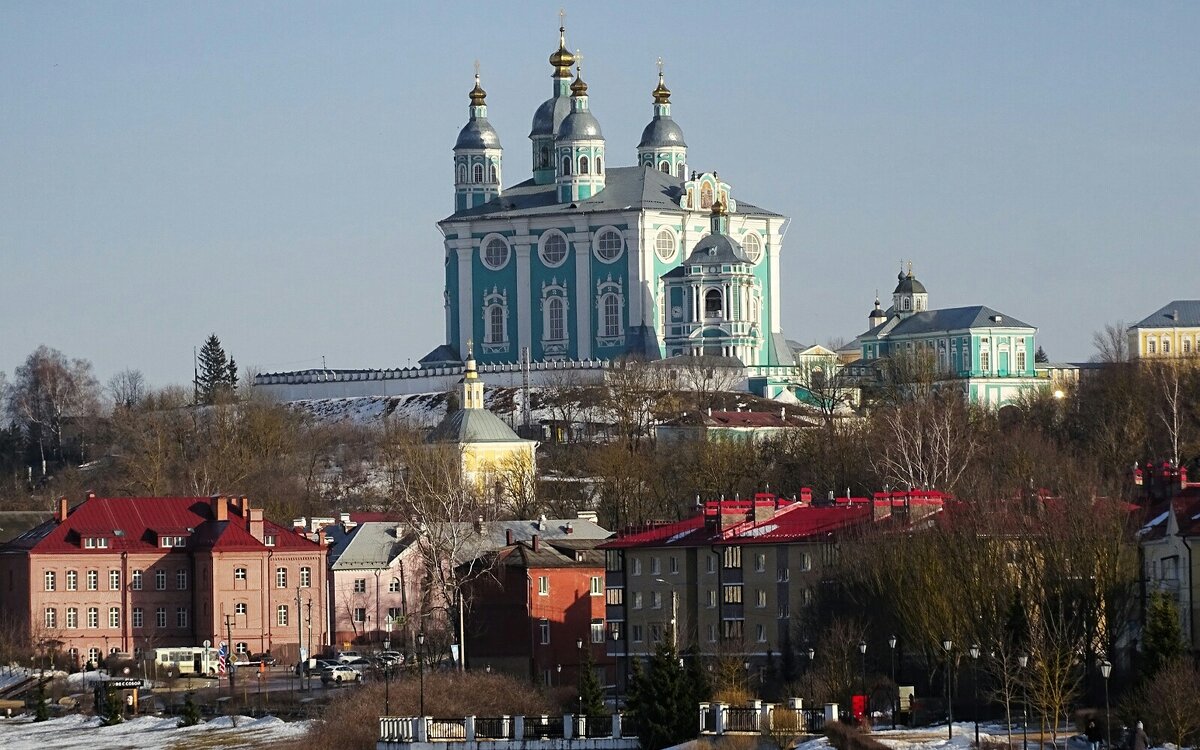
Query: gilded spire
x=477, y=94
x=578, y=88
x=562, y=59
x=662, y=94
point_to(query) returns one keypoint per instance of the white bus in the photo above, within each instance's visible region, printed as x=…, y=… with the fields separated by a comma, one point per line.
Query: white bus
x=185, y=660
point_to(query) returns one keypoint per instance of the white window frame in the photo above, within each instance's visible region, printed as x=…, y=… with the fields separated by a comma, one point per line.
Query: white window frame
x=160, y=579
x=305, y=577
x=543, y=586
x=486, y=243
x=160, y=617
x=281, y=615
x=754, y=255
x=281, y=578
x=181, y=617
x=544, y=240
x=181, y=579
x=602, y=234
x=114, y=580
x=664, y=236
x=93, y=580
x=72, y=618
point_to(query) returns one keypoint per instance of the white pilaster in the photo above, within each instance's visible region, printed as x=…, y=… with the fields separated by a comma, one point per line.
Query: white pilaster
x=466, y=296
x=524, y=309
x=584, y=295
x=773, y=281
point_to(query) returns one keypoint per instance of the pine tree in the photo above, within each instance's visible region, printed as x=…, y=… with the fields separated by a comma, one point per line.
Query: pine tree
x=591, y=695
x=216, y=376
x=660, y=700
x=41, y=711
x=1040, y=356
x=1163, y=635
x=191, y=712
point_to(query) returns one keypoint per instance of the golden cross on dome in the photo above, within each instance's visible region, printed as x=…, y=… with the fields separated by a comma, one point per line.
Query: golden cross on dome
x=660, y=67
x=476, y=70
x=562, y=18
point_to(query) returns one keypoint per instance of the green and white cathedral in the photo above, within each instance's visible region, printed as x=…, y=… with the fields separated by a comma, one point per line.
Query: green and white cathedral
x=588, y=261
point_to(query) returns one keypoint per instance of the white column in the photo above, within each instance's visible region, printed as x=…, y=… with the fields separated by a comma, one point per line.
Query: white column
x=524, y=309
x=773, y=281
x=466, y=295
x=639, y=302
x=585, y=297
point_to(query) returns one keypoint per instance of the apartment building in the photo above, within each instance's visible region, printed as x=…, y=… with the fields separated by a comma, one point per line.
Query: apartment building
x=131, y=574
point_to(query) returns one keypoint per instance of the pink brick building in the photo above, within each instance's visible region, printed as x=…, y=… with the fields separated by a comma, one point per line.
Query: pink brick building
x=134, y=574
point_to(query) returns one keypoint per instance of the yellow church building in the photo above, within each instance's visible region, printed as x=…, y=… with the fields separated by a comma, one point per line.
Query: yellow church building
x=1169, y=332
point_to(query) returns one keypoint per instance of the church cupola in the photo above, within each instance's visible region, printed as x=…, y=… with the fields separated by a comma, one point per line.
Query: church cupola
x=551, y=113
x=472, y=393
x=662, y=146
x=579, y=147
x=477, y=155
x=876, y=316
x=910, y=295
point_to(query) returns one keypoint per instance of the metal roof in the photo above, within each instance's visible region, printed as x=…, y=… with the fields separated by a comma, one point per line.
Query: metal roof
x=1175, y=314
x=949, y=319
x=473, y=426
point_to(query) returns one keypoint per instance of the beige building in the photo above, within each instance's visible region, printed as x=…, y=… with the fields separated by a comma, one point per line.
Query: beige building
x=1169, y=332
x=128, y=575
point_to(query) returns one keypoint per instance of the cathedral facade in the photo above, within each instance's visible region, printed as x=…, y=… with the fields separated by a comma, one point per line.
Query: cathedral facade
x=586, y=261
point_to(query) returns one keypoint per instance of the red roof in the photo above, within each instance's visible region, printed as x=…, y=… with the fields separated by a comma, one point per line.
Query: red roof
x=135, y=524
x=779, y=520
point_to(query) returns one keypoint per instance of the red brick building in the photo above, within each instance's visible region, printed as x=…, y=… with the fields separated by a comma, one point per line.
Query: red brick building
x=134, y=574
x=546, y=596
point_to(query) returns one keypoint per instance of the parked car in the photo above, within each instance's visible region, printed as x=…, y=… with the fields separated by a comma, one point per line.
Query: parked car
x=390, y=658
x=359, y=665
x=319, y=666
x=348, y=656
x=340, y=673
x=264, y=658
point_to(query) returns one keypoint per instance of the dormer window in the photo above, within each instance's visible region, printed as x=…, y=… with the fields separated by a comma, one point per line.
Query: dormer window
x=95, y=542
x=269, y=540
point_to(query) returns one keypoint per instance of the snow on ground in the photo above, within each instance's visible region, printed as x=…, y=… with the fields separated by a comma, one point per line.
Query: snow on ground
x=147, y=733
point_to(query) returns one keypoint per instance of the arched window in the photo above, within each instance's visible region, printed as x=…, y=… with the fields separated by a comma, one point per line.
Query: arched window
x=545, y=161
x=556, y=319
x=583, y=165
x=599, y=165
x=664, y=245
x=478, y=173
x=495, y=332
x=680, y=171
x=904, y=304
x=462, y=172
x=612, y=315
x=713, y=304
x=664, y=166
x=493, y=175
x=566, y=165
x=495, y=254
x=706, y=196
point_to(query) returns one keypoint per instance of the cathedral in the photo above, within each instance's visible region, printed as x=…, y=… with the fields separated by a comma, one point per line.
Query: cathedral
x=585, y=261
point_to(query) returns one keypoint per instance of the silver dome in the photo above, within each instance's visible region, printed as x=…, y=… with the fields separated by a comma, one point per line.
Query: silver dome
x=718, y=248
x=550, y=115
x=581, y=126
x=477, y=133
x=662, y=132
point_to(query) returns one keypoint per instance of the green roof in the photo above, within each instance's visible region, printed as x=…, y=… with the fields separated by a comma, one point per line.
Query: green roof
x=472, y=426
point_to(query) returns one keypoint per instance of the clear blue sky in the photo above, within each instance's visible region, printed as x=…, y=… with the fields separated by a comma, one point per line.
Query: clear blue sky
x=273, y=171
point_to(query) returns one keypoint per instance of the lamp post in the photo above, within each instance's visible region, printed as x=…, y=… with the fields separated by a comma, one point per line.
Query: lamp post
x=895, y=687
x=862, y=650
x=387, y=666
x=948, y=646
x=421, y=667
x=1106, y=671
x=616, y=671
x=974, y=651
x=1023, y=661
x=579, y=673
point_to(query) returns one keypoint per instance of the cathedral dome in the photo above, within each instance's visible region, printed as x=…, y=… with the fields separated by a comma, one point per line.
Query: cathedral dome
x=477, y=133
x=909, y=285
x=549, y=116
x=580, y=125
x=718, y=248
x=662, y=132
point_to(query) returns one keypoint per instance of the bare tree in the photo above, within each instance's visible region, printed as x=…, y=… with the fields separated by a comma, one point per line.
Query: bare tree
x=47, y=390
x=707, y=376
x=127, y=388
x=1111, y=343
x=638, y=392
x=1171, y=407
x=515, y=479
x=926, y=442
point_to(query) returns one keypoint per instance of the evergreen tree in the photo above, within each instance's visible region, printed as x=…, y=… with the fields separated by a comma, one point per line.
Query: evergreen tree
x=191, y=712
x=216, y=376
x=696, y=678
x=1163, y=635
x=1040, y=356
x=113, y=707
x=591, y=695
x=660, y=700
x=41, y=711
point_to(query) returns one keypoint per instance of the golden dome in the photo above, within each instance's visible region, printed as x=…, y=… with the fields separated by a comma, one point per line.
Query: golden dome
x=578, y=87
x=477, y=94
x=662, y=94
x=562, y=59
x=718, y=208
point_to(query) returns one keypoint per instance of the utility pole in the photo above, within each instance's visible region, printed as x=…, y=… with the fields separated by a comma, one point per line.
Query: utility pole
x=299, y=628
x=308, y=620
x=232, y=660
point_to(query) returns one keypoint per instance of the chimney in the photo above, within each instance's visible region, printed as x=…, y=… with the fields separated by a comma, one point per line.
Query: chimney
x=321, y=536
x=783, y=412
x=569, y=529
x=536, y=544
x=541, y=522
x=91, y=494
x=63, y=510
x=255, y=524
x=220, y=507
x=479, y=525
x=508, y=537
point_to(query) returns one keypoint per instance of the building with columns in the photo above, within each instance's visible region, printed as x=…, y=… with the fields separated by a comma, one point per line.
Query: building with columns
x=585, y=261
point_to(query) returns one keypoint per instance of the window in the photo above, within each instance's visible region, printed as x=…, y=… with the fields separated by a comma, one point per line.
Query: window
x=138, y=616
x=656, y=633
x=114, y=580
x=495, y=253
x=655, y=600
x=305, y=577
x=281, y=578
x=712, y=632
x=664, y=166
x=554, y=312
x=637, y=566
x=93, y=580
x=597, y=631
x=94, y=655
x=806, y=596
x=554, y=249
x=599, y=165
x=985, y=362
x=160, y=580
x=609, y=245
x=395, y=614
x=543, y=585
x=785, y=609
x=637, y=600
x=1187, y=346
x=706, y=196
x=760, y=562
x=181, y=579
x=50, y=578
x=583, y=165
x=804, y=562
x=269, y=540
x=732, y=557
x=493, y=174
x=544, y=630
x=477, y=173
x=655, y=567
x=1150, y=346
x=239, y=608
x=239, y=574
x=904, y=303
x=614, y=596
x=612, y=315
x=93, y=615
x=753, y=247
x=733, y=629
x=281, y=615
x=597, y=586
x=732, y=593
x=181, y=617
x=462, y=172
x=566, y=165
x=241, y=648
x=673, y=561
x=114, y=617
x=394, y=585
x=51, y=617
x=360, y=585
x=72, y=617
x=664, y=245
x=762, y=598
x=761, y=633
x=1166, y=345
x=636, y=632
x=72, y=580
x=712, y=563
x=1021, y=361
x=712, y=598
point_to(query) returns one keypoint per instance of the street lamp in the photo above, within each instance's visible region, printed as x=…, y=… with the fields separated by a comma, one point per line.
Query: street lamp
x=616, y=671
x=895, y=686
x=1023, y=661
x=1106, y=671
x=387, y=666
x=579, y=674
x=862, y=649
x=421, y=668
x=948, y=645
x=974, y=651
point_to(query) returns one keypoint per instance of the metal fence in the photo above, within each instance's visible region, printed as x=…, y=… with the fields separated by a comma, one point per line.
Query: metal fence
x=447, y=729
x=491, y=728
x=594, y=726
x=543, y=727
x=741, y=719
x=813, y=720
x=708, y=719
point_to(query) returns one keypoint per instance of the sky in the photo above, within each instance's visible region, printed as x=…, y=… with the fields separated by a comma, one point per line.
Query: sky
x=273, y=171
